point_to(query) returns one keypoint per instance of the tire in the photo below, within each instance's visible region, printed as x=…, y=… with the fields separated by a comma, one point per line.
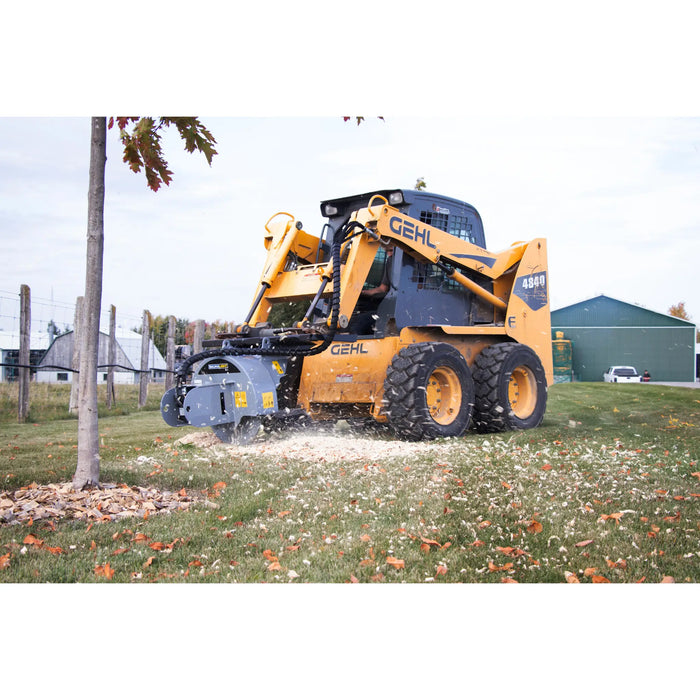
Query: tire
x=511, y=389
x=241, y=434
x=428, y=392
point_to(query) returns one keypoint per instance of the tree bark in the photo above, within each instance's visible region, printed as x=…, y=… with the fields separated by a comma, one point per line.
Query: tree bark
x=87, y=474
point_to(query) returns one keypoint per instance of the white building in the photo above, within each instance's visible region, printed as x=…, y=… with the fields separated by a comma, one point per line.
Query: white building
x=9, y=352
x=57, y=359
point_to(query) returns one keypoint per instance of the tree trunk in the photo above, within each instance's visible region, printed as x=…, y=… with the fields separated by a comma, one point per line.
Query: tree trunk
x=87, y=474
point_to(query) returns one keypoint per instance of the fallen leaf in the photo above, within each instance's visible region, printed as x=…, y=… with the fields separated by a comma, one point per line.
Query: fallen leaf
x=120, y=551
x=613, y=516
x=668, y=579
x=505, y=567
x=583, y=543
x=195, y=562
x=31, y=539
x=5, y=561
x=441, y=570
x=571, y=578
x=534, y=526
x=107, y=571
x=429, y=542
x=505, y=485
x=148, y=562
x=599, y=579
x=396, y=563
x=506, y=579
x=589, y=571
x=274, y=566
x=283, y=513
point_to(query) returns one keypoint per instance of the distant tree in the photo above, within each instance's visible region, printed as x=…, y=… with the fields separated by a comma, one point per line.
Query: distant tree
x=141, y=150
x=678, y=310
x=420, y=184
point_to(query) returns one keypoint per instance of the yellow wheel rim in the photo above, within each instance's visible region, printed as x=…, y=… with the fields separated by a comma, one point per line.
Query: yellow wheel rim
x=444, y=395
x=522, y=392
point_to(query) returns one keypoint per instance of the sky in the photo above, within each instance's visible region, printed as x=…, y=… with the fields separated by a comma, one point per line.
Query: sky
x=615, y=197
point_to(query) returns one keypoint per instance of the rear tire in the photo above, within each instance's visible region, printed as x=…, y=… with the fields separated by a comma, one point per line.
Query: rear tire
x=241, y=434
x=428, y=392
x=511, y=388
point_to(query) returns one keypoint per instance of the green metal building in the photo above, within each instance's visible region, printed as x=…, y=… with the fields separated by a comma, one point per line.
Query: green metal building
x=605, y=331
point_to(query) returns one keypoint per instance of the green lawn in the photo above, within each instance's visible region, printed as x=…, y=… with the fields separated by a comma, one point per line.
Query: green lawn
x=606, y=490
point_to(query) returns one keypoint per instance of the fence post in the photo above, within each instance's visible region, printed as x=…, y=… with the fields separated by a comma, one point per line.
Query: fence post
x=25, y=324
x=198, y=336
x=111, y=356
x=170, y=354
x=145, y=341
x=75, y=360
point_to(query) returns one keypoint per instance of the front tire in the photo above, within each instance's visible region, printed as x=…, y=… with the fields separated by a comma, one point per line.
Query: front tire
x=511, y=388
x=428, y=392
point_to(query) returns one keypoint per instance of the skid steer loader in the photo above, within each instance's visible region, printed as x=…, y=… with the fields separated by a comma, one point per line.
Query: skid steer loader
x=403, y=318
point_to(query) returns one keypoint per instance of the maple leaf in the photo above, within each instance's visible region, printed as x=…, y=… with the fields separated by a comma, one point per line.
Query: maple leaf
x=505, y=567
x=31, y=539
x=148, y=562
x=507, y=579
x=107, y=571
x=534, y=526
x=600, y=579
x=571, y=578
x=5, y=561
x=429, y=542
x=396, y=563
x=589, y=571
x=274, y=566
x=668, y=579
x=613, y=516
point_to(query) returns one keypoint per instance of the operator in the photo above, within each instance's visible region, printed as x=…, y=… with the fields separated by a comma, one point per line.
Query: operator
x=374, y=290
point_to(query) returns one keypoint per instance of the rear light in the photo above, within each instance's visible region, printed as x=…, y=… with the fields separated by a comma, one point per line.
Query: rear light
x=396, y=198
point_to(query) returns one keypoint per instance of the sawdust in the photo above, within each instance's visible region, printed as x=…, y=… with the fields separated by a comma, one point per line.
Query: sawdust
x=317, y=447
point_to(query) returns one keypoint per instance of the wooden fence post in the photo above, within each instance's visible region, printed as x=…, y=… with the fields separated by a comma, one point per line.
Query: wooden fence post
x=75, y=360
x=111, y=356
x=198, y=335
x=25, y=324
x=145, y=342
x=170, y=354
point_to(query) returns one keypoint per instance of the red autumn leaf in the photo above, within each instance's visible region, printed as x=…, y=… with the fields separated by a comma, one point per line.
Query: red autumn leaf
x=673, y=518
x=182, y=492
x=5, y=561
x=511, y=551
x=269, y=555
x=396, y=563
x=583, y=543
x=589, y=571
x=195, y=562
x=425, y=547
x=571, y=578
x=599, y=579
x=546, y=467
x=158, y=546
x=353, y=579
x=534, y=526
x=505, y=484
x=441, y=570
x=140, y=537
x=274, y=566
x=506, y=579
x=668, y=579
x=219, y=485
x=120, y=551
x=619, y=564
x=486, y=523
x=476, y=543
x=365, y=538
x=148, y=562
x=283, y=513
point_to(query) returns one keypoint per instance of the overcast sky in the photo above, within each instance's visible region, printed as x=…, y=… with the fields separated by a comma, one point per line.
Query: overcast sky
x=580, y=127
x=616, y=198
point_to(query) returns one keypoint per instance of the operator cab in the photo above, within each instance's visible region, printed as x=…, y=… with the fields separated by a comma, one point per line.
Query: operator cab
x=419, y=293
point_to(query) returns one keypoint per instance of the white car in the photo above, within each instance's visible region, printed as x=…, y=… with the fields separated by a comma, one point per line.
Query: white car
x=621, y=374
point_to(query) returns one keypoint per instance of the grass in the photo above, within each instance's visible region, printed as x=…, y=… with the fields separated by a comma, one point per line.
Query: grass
x=605, y=490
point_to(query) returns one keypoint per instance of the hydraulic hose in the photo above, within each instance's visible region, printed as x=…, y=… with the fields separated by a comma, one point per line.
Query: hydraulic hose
x=345, y=232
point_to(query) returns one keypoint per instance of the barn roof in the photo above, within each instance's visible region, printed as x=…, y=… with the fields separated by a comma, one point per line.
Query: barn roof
x=603, y=311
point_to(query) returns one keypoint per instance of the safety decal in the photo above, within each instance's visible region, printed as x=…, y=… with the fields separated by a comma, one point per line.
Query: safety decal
x=240, y=399
x=277, y=366
x=268, y=399
x=532, y=289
